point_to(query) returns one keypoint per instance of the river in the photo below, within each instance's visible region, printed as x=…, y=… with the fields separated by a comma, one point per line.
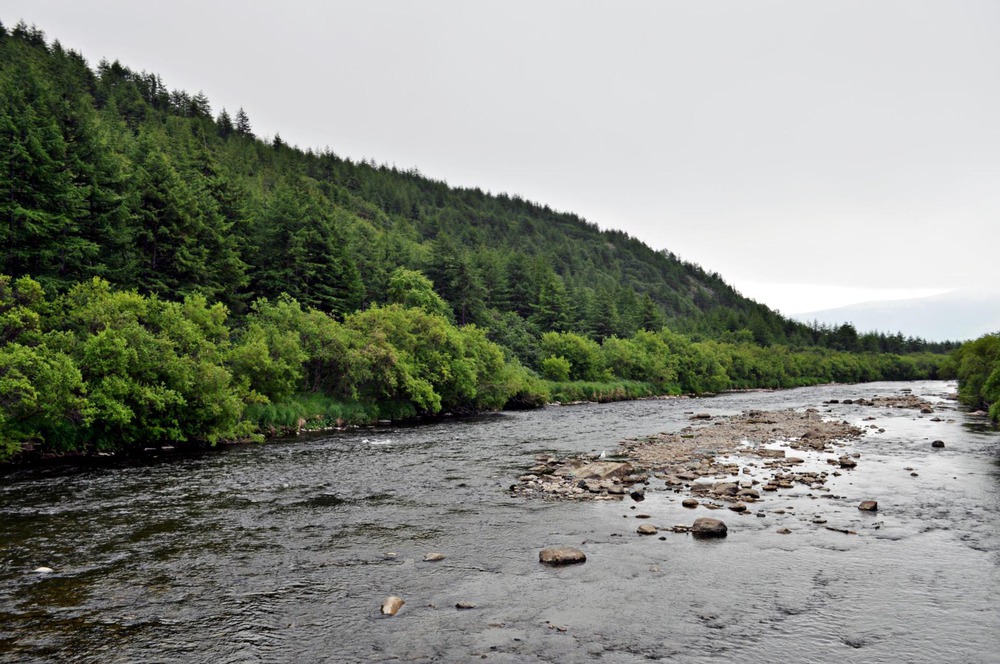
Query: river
x=278, y=552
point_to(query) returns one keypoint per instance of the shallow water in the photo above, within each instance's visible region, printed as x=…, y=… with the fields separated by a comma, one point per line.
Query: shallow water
x=276, y=552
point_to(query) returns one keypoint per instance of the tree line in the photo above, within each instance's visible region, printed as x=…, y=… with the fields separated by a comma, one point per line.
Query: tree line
x=976, y=364
x=97, y=369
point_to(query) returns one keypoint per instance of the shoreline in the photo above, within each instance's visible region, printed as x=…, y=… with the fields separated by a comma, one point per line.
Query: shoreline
x=280, y=434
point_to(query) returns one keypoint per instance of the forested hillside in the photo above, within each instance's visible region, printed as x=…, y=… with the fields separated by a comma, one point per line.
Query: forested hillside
x=134, y=216
x=108, y=173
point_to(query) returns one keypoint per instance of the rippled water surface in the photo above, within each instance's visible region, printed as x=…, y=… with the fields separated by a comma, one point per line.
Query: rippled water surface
x=276, y=552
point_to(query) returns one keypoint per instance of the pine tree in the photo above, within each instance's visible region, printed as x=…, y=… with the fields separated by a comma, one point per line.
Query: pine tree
x=302, y=252
x=243, y=124
x=224, y=124
x=39, y=204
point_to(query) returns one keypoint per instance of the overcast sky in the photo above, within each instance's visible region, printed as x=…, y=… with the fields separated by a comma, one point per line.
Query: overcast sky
x=812, y=153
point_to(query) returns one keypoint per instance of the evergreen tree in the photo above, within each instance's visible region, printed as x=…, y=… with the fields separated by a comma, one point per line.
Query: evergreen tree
x=39, y=205
x=243, y=124
x=224, y=124
x=302, y=252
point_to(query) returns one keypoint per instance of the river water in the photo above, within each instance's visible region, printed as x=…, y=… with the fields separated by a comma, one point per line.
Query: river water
x=277, y=552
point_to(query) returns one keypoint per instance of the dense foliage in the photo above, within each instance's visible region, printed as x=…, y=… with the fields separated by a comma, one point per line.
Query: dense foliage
x=174, y=278
x=100, y=369
x=976, y=364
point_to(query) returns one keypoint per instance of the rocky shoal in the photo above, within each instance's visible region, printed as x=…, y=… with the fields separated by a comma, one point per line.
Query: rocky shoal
x=711, y=460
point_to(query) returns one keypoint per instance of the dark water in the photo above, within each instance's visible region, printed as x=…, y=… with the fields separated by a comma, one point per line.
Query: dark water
x=275, y=553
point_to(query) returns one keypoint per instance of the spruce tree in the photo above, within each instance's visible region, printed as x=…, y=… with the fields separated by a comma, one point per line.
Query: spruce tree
x=243, y=124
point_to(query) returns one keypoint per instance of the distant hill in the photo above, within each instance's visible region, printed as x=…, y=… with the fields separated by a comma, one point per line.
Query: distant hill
x=955, y=316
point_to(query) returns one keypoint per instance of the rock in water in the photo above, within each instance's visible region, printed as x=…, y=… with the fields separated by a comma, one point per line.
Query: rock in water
x=689, y=502
x=708, y=527
x=392, y=605
x=937, y=443
x=646, y=529
x=847, y=462
x=43, y=570
x=433, y=557
x=602, y=470
x=868, y=506
x=561, y=555
x=464, y=605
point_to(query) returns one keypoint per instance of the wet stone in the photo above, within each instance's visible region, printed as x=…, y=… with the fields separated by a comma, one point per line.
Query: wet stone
x=392, y=605
x=561, y=555
x=708, y=527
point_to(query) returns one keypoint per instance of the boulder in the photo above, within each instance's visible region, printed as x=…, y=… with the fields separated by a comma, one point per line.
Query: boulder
x=937, y=443
x=847, y=462
x=561, y=555
x=689, y=502
x=868, y=506
x=770, y=454
x=726, y=489
x=646, y=529
x=392, y=605
x=708, y=527
x=602, y=470
x=738, y=507
x=638, y=495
